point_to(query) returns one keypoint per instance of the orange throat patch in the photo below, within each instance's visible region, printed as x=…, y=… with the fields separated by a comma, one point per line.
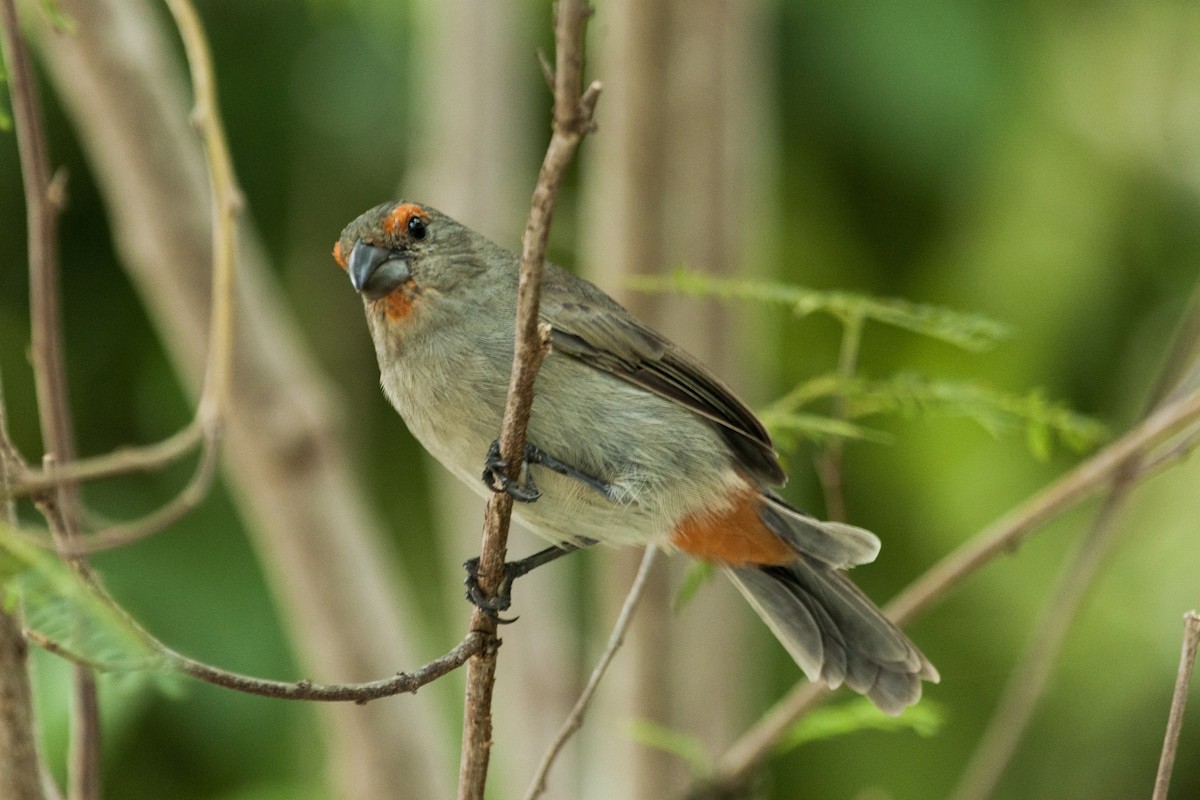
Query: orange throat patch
x=733, y=535
x=399, y=304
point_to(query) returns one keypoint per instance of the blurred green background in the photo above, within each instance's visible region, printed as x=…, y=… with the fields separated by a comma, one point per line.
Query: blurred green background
x=1036, y=162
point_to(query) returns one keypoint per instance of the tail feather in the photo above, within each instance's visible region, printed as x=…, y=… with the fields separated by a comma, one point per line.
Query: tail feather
x=834, y=631
x=834, y=543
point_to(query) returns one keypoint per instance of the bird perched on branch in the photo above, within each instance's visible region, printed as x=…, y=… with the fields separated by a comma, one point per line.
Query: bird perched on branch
x=631, y=440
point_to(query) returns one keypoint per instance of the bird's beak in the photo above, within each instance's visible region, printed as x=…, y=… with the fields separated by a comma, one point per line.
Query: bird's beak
x=376, y=271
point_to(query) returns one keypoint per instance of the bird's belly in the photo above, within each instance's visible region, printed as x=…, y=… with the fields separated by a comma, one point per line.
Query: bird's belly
x=660, y=462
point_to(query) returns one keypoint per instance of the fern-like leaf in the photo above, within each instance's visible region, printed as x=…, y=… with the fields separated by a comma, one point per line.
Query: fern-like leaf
x=968, y=331
x=1044, y=422
x=78, y=620
x=856, y=715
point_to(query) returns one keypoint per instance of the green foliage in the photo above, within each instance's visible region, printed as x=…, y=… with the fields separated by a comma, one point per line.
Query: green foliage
x=925, y=718
x=689, y=748
x=968, y=331
x=1044, y=422
x=63, y=608
x=790, y=428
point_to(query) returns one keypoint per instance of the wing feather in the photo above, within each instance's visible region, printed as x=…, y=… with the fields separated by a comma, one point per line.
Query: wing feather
x=594, y=329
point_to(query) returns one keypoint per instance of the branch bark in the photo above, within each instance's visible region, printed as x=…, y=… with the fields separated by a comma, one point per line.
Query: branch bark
x=20, y=767
x=43, y=200
x=1187, y=662
x=572, y=120
x=574, y=720
x=322, y=547
x=1030, y=677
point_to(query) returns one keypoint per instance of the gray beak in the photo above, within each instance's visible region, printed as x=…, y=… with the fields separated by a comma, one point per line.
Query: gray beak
x=376, y=271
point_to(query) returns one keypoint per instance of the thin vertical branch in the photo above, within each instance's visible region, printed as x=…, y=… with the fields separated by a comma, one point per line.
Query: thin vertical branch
x=226, y=207
x=574, y=720
x=43, y=201
x=20, y=770
x=572, y=120
x=1183, y=680
x=830, y=460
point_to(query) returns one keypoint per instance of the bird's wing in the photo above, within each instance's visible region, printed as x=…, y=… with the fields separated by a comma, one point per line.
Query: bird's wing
x=588, y=325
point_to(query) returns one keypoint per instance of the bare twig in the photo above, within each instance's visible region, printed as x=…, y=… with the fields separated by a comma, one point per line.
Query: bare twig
x=400, y=683
x=360, y=693
x=147, y=458
x=325, y=554
x=226, y=207
x=20, y=770
x=1029, y=678
x=1183, y=681
x=43, y=199
x=165, y=657
x=1010, y=531
x=205, y=427
x=175, y=509
x=572, y=120
x=830, y=459
x=574, y=720
x=1006, y=534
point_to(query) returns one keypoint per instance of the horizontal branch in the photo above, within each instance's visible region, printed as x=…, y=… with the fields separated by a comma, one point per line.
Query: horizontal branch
x=400, y=683
x=28, y=481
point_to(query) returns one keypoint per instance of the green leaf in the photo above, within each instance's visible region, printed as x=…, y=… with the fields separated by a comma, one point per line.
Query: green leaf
x=1044, y=422
x=965, y=330
x=77, y=618
x=924, y=719
x=791, y=428
x=689, y=748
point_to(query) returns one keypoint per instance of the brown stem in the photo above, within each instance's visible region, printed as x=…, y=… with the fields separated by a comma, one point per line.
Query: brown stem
x=43, y=200
x=574, y=720
x=1029, y=678
x=1183, y=680
x=572, y=120
x=324, y=550
x=20, y=771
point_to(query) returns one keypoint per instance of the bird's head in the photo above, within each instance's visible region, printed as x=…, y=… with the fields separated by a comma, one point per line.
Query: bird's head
x=401, y=256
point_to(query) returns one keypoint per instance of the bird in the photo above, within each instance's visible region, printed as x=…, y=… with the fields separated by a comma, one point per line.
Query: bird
x=631, y=440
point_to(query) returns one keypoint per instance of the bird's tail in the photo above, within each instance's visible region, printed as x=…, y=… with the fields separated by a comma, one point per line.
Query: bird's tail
x=834, y=631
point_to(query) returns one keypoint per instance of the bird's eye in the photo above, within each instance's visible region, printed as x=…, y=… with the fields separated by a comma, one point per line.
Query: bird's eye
x=416, y=227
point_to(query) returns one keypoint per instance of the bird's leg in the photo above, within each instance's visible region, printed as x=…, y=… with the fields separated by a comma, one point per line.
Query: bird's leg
x=534, y=455
x=492, y=606
x=496, y=477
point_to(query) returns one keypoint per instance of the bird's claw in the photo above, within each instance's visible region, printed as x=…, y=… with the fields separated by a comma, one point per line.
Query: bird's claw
x=495, y=477
x=491, y=606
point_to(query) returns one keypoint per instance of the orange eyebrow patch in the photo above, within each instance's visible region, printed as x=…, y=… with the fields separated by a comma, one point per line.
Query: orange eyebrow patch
x=337, y=255
x=733, y=536
x=397, y=221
